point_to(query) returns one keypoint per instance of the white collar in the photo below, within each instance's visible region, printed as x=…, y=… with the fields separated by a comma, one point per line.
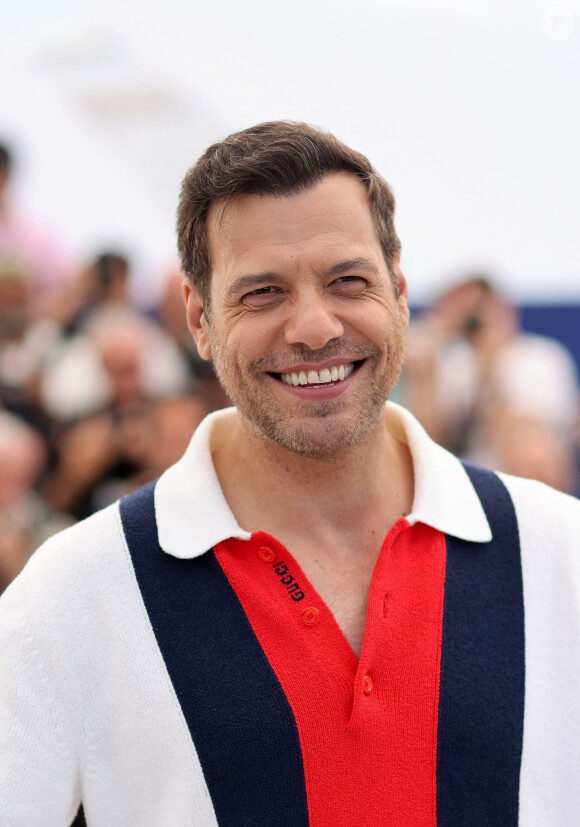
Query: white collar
x=193, y=515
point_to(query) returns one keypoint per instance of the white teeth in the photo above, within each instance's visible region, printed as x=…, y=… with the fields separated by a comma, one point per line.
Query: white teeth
x=313, y=377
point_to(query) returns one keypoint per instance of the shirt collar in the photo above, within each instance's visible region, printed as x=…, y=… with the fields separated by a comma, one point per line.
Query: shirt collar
x=193, y=515
x=444, y=496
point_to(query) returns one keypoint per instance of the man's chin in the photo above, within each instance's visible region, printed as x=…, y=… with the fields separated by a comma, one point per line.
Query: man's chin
x=323, y=436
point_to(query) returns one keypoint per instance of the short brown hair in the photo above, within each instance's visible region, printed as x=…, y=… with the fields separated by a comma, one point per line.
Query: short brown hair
x=276, y=158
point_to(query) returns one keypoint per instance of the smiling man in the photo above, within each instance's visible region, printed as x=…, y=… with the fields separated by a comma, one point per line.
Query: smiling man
x=317, y=616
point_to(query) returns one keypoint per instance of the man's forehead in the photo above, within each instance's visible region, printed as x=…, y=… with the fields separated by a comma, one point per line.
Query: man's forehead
x=334, y=194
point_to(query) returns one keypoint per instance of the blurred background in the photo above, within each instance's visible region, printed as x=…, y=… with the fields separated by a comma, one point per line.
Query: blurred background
x=470, y=114
x=467, y=109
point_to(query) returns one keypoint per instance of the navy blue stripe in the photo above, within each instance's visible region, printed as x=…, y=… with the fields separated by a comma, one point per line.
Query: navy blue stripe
x=481, y=700
x=238, y=715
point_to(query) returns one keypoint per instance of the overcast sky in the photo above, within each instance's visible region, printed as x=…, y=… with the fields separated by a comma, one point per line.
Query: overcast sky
x=471, y=114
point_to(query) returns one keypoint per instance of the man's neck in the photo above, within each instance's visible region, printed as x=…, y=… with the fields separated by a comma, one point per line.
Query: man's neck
x=366, y=488
x=331, y=514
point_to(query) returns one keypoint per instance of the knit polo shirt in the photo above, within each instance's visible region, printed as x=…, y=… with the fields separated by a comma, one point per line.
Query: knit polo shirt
x=167, y=667
x=346, y=733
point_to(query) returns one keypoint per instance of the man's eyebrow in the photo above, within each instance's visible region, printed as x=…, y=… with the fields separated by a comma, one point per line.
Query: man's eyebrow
x=365, y=265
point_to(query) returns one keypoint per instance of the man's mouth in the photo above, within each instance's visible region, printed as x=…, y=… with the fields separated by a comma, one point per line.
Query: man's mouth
x=325, y=376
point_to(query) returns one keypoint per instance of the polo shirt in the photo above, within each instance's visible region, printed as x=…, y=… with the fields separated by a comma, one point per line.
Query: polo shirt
x=167, y=667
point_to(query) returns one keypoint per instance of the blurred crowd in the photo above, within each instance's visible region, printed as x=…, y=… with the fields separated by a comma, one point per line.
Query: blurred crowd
x=490, y=392
x=98, y=397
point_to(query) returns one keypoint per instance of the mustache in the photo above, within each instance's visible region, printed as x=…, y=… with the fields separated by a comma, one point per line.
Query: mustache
x=278, y=360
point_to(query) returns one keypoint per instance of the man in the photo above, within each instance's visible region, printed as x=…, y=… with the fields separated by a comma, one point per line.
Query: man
x=317, y=615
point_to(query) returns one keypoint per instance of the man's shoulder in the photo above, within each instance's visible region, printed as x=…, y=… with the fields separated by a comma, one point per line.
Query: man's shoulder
x=547, y=518
x=73, y=560
x=540, y=495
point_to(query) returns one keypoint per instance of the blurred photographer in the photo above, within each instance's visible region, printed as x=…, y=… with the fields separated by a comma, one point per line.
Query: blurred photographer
x=471, y=373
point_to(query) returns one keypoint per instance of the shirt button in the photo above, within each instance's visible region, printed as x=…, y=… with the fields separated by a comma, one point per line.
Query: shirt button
x=266, y=554
x=310, y=617
x=367, y=685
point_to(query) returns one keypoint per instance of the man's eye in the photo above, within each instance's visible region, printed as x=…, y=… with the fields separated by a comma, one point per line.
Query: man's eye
x=349, y=283
x=261, y=296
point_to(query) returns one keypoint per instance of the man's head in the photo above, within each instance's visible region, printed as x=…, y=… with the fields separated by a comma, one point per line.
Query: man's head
x=308, y=302
x=479, y=312
x=276, y=159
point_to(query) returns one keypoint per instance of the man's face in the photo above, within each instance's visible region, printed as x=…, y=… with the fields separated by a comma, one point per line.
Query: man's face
x=306, y=333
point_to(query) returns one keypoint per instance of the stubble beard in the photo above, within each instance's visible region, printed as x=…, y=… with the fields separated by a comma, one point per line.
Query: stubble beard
x=309, y=429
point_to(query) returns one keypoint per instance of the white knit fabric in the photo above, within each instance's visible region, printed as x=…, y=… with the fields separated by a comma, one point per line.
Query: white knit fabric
x=87, y=708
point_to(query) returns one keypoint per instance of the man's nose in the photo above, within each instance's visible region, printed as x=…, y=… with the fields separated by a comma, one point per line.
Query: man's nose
x=312, y=323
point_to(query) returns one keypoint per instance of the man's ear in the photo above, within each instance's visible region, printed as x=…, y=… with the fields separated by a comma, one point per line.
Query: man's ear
x=196, y=319
x=402, y=286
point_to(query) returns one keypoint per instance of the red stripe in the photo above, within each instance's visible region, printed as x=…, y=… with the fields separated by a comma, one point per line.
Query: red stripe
x=369, y=759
